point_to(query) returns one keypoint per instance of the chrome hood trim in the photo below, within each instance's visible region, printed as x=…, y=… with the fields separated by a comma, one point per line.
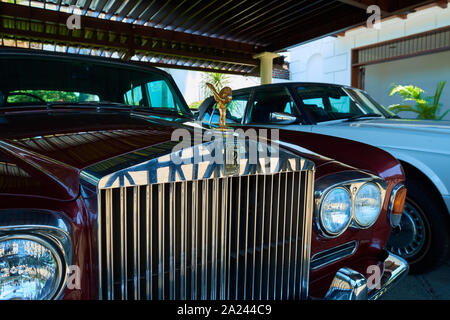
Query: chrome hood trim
x=163, y=163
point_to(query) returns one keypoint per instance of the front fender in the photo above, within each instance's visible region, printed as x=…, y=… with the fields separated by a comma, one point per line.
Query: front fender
x=417, y=160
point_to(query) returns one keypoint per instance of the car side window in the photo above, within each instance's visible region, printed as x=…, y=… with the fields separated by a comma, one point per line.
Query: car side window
x=270, y=101
x=155, y=94
x=235, y=111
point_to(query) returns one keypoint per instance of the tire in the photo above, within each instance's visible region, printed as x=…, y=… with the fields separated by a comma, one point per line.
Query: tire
x=423, y=236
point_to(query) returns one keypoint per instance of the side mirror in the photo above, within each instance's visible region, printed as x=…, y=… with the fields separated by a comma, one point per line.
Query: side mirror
x=283, y=118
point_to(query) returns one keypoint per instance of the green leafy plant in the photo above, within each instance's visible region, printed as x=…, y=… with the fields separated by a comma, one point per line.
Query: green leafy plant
x=426, y=107
x=218, y=80
x=195, y=105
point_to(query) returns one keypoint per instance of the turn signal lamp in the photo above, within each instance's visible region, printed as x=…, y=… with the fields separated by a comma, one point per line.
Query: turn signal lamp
x=397, y=205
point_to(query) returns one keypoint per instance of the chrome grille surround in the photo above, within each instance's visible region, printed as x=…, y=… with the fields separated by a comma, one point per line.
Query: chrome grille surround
x=203, y=231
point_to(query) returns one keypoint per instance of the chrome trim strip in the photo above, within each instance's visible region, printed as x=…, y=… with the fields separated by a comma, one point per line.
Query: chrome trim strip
x=99, y=245
x=179, y=166
x=340, y=252
x=306, y=236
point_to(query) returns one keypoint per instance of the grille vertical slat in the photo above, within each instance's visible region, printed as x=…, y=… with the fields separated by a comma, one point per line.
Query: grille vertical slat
x=222, y=238
x=238, y=235
x=136, y=245
x=194, y=238
x=148, y=246
x=262, y=237
x=214, y=215
x=276, y=240
x=123, y=244
x=109, y=245
x=254, y=238
x=230, y=221
x=161, y=232
x=205, y=235
x=296, y=243
x=183, y=241
x=172, y=240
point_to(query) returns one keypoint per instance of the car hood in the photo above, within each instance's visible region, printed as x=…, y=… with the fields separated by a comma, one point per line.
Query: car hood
x=429, y=126
x=420, y=135
x=42, y=154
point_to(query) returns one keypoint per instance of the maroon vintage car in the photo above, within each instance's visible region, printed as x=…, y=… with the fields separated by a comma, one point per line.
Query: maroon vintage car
x=97, y=200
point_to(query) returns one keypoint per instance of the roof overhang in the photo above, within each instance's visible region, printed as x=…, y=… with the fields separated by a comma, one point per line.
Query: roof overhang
x=205, y=35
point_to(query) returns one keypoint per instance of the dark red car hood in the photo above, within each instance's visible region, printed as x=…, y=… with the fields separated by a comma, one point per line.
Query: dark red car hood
x=43, y=152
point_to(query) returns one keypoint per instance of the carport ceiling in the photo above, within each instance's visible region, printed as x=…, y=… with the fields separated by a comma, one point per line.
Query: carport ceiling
x=208, y=35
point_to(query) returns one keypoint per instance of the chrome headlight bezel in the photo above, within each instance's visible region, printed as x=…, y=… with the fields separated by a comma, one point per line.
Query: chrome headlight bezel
x=47, y=228
x=352, y=181
x=321, y=213
x=355, y=218
x=60, y=267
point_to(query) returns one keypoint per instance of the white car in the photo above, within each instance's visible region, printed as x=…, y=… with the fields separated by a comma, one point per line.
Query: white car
x=423, y=148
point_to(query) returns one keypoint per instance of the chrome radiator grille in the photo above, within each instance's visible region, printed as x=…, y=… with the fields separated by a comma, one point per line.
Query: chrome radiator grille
x=239, y=237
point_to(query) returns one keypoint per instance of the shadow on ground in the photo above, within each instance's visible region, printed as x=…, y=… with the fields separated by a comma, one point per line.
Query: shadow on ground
x=431, y=286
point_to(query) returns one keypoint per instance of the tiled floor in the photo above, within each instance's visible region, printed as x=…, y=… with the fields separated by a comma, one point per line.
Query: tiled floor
x=433, y=285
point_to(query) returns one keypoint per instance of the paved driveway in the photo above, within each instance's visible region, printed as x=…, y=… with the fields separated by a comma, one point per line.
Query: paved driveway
x=433, y=285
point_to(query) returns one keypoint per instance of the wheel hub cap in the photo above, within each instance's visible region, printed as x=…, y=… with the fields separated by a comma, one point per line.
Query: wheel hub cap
x=409, y=238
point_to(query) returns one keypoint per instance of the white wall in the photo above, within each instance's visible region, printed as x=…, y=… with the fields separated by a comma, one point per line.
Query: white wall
x=424, y=72
x=329, y=59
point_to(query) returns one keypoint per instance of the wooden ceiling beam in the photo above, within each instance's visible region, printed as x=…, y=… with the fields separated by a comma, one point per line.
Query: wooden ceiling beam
x=58, y=17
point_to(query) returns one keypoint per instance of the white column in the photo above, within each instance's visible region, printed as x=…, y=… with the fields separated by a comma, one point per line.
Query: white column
x=266, y=65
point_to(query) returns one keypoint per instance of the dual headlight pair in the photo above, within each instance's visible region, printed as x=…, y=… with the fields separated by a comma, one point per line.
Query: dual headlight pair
x=338, y=208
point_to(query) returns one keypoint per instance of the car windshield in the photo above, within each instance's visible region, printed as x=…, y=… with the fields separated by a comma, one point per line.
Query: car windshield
x=328, y=103
x=31, y=81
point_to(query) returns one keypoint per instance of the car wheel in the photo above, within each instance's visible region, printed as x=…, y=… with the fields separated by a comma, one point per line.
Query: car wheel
x=422, y=238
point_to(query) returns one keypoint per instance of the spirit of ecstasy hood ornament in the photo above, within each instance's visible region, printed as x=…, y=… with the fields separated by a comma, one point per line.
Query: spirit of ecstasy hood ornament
x=222, y=98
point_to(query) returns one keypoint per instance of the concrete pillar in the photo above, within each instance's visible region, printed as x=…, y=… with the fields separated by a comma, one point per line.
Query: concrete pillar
x=266, y=65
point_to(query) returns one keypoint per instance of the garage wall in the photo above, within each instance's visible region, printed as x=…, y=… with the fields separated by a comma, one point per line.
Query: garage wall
x=424, y=72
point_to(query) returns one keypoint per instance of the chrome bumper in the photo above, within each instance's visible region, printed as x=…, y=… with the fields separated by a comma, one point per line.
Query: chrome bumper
x=351, y=285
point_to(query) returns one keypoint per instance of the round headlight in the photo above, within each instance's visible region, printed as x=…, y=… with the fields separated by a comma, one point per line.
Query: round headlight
x=336, y=211
x=30, y=269
x=367, y=205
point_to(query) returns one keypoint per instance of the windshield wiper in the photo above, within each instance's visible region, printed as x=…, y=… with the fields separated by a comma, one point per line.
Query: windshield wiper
x=100, y=104
x=90, y=104
x=361, y=116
